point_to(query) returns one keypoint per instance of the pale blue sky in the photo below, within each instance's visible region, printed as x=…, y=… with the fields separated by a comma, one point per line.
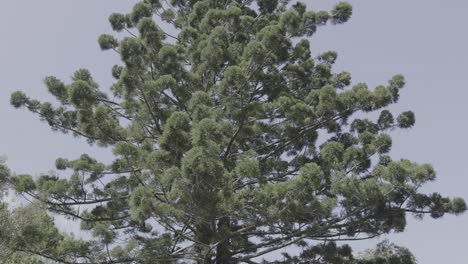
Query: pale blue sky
x=426, y=40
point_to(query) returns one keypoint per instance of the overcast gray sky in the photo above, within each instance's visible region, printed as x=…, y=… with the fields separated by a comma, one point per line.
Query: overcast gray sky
x=426, y=40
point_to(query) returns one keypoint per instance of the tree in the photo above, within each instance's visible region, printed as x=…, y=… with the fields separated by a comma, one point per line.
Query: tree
x=387, y=253
x=231, y=142
x=12, y=228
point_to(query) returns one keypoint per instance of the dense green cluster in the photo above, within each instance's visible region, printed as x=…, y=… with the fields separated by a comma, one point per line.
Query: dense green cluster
x=231, y=141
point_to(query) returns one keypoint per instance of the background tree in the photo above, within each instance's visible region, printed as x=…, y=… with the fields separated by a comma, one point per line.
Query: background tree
x=231, y=142
x=13, y=227
x=387, y=253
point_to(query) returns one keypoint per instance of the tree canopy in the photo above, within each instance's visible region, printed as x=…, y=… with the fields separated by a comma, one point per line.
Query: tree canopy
x=232, y=141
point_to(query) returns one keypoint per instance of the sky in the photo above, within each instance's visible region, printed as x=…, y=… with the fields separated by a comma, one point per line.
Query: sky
x=425, y=40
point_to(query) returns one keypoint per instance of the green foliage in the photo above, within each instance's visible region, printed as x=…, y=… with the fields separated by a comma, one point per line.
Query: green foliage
x=23, y=183
x=387, y=253
x=231, y=140
x=117, y=21
x=326, y=253
x=341, y=13
x=107, y=42
x=4, y=177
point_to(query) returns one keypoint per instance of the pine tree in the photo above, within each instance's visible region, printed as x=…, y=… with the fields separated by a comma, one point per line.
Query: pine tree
x=387, y=253
x=231, y=142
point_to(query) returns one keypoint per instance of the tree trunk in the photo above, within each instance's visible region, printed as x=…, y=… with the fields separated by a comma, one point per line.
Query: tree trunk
x=223, y=252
